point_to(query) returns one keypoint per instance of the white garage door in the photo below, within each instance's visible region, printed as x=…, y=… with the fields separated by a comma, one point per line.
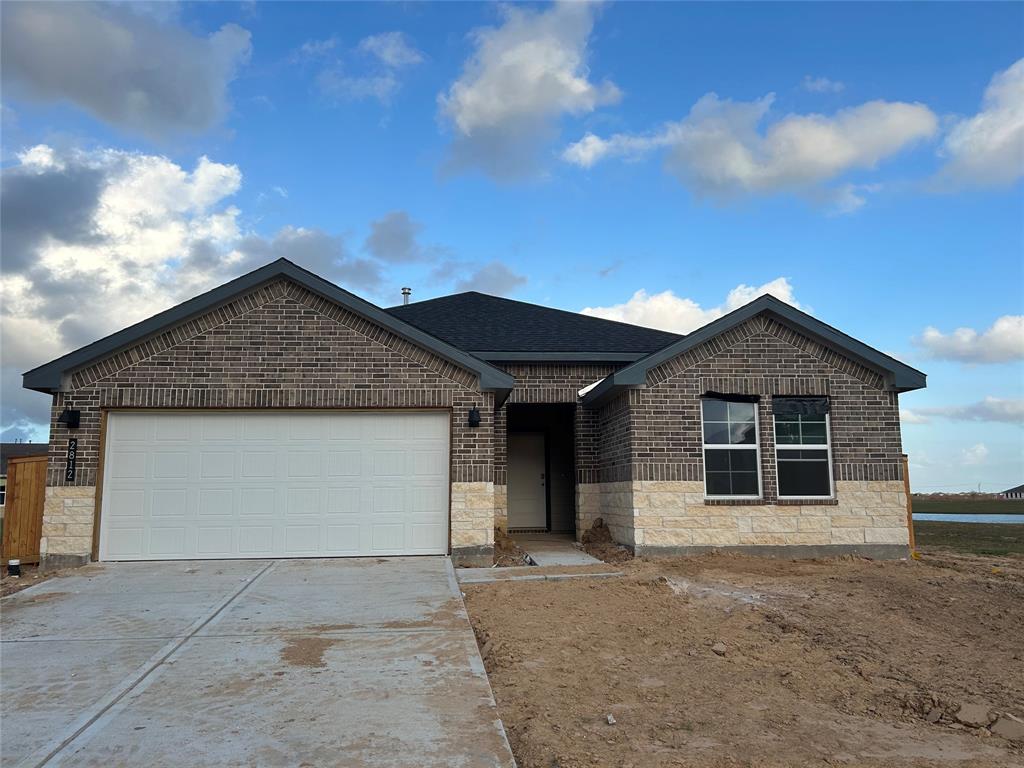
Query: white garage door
x=197, y=485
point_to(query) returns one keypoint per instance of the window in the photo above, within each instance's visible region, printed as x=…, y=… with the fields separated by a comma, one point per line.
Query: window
x=3, y=489
x=731, y=452
x=802, y=452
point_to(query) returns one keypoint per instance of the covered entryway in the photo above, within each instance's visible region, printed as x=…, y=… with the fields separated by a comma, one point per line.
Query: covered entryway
x=260, y=483
x=541, y=468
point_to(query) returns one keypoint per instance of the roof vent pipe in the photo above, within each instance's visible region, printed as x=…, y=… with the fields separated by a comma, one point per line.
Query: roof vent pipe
x=406, y=292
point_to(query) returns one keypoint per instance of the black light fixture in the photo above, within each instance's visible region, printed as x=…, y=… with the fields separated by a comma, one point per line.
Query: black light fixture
x=474, y=417
x=70, y=418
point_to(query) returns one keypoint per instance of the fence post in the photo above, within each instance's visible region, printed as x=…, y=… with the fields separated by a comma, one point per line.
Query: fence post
x=906, y=489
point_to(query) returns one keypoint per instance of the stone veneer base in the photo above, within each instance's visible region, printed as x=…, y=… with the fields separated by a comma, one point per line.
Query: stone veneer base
x=56, y=562
x=791, y=551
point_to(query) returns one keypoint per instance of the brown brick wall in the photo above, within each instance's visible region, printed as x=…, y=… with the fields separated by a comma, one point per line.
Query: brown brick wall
x=765, y=358
x=279, y=346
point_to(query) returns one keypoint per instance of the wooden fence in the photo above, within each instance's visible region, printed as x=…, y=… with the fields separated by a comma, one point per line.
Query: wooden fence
x=23, y=508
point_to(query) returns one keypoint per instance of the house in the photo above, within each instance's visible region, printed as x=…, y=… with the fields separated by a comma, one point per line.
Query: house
x=1013, y=493
x=13, y=451
x=280, y=415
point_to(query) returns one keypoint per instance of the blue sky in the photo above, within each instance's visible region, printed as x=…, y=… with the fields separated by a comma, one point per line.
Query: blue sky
x=658, y=163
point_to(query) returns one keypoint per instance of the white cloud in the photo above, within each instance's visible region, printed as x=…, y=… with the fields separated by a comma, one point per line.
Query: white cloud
x=1003, y=342
x=94, y=240
x=669, y=312
x=494, y=277
x=394, y=238
x=315, y=49
x=354, y=80
x=976, y=454
x=522, y=76
x=821, y=85
x=988, y=148
x=337, y=85
x=908, y=416
x=991, y=409
x=393, y=49
x=101, y=58
x=719, y=152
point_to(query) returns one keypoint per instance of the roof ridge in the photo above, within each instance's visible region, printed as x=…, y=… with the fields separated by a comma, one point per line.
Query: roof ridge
x=537, y=306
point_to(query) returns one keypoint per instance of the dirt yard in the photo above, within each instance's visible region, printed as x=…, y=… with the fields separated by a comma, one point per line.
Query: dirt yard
x=721, y=661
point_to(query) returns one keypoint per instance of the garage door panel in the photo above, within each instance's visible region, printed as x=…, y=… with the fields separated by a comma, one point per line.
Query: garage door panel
x=219, y=428
x=261, y=428
x=170, y=465
x=259, y=465
x=168, y=542
x=258, y=502
x=168, y=502
x=343, y=539
x=193, y=484
x=255, y=541
x=216, y=502
x=171, y=431
x=215, y=541
x=344, y=501
x=126, y=502
x=129, y=466
x=304, y=464
x=125, y=542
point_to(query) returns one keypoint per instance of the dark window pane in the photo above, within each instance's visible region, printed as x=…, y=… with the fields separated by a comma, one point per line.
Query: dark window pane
x=787, y=433
x=718, y=484
x=715, y=410
x=742, y=461
x=742, y=434
x=741, y=412
x=813, y=432
x=744, y=483
x=716, y=433
x=731, y=473
x=803, y=478
x=717, y=461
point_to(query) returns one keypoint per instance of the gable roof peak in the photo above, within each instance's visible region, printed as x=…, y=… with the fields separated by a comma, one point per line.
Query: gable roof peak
x=49, y=377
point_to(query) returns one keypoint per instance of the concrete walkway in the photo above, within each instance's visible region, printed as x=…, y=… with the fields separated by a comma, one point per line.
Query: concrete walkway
x=553, y=549
x=364, y=662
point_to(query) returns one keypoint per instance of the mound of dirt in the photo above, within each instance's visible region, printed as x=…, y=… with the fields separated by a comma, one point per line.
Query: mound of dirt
x=598, y=542
x=506, y=552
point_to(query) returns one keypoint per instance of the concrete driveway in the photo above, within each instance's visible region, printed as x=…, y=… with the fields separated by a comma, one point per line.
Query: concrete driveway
x=363, y=662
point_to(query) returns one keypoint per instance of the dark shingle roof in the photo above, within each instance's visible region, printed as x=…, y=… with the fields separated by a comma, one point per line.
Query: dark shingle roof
x=15, y=450
x=478, y=323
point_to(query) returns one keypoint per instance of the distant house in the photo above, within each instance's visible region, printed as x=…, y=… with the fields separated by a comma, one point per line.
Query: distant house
x=1013, y=493
x=14, y=450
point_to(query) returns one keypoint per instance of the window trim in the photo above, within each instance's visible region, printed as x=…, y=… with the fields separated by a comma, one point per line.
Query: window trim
x=756, y=447
x=827, y=447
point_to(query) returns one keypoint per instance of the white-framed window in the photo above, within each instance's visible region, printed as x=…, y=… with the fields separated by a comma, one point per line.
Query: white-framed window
x=803, y=454
x=732, y=452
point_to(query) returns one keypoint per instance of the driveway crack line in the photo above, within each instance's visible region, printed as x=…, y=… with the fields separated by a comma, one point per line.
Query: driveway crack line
x=89, y=719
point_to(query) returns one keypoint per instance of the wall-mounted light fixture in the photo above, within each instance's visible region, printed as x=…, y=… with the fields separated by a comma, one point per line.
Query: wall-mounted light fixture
x=474, y=417
x=70, y=418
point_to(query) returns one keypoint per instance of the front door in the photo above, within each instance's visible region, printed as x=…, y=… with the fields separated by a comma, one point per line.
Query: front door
x=527, y=499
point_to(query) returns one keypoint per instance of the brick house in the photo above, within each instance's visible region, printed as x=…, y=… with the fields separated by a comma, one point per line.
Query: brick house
x=280, y=415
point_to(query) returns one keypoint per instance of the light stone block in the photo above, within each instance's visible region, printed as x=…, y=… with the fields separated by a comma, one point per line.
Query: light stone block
x=886, y=536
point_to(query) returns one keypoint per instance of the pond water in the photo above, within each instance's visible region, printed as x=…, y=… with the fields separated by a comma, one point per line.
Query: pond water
x=941, y=518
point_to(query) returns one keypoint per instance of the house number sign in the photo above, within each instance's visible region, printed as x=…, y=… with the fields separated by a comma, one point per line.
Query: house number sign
x=69, y=467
